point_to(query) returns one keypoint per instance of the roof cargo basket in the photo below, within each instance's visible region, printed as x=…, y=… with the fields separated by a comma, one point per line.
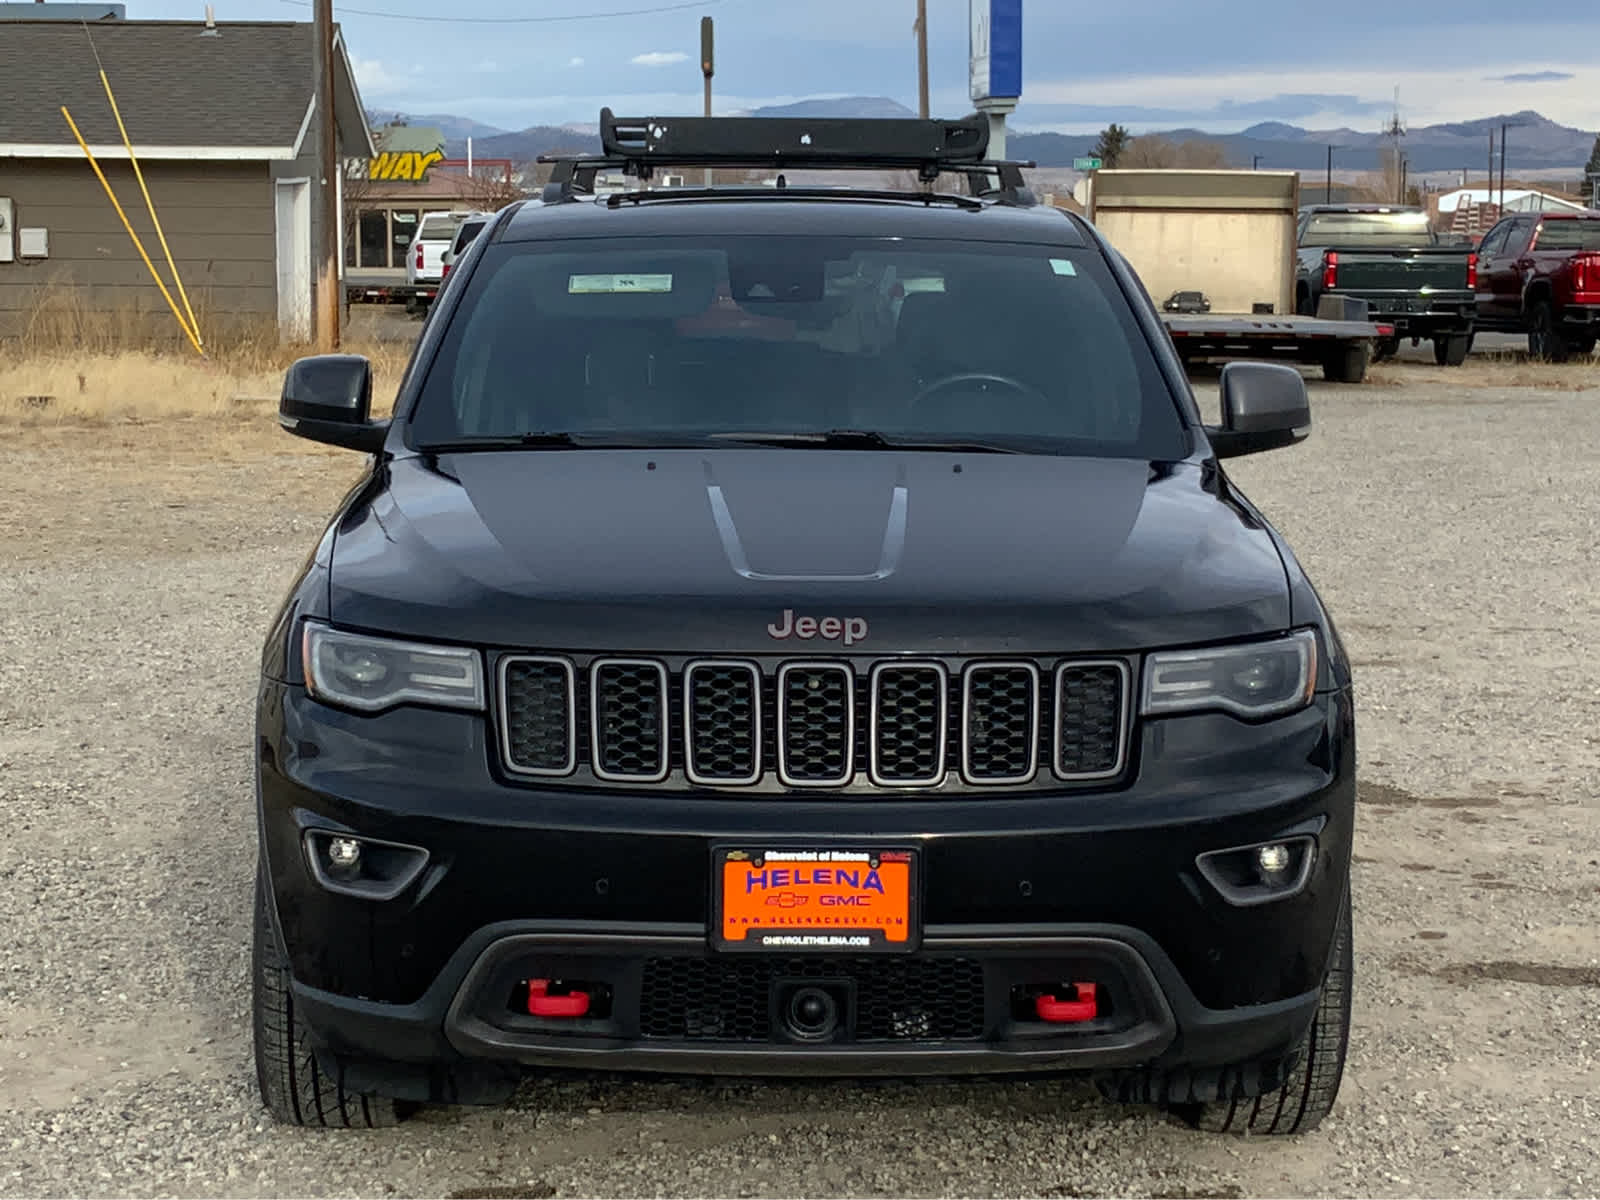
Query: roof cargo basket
x=639, y=146
x=794, y=141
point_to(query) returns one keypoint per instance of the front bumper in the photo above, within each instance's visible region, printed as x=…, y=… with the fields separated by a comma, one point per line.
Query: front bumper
x=613, y=889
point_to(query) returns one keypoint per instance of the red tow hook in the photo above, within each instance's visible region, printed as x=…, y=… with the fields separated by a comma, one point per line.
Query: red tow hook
x=1085, y=1007
x=542, y=1004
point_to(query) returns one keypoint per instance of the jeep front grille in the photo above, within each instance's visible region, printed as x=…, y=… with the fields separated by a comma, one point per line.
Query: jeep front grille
x=722, y=734
x=778, y=725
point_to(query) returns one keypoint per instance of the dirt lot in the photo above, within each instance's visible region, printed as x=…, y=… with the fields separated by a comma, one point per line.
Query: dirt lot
x=1450, y=519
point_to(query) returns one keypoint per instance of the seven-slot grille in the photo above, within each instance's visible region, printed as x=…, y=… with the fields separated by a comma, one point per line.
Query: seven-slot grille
x=901, y=723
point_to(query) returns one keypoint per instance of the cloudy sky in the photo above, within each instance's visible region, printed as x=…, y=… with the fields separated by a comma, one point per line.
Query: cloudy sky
x=1221, y=65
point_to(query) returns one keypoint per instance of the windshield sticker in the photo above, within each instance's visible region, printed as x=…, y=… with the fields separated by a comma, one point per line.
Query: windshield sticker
x=614, y=284
x=1063, y=266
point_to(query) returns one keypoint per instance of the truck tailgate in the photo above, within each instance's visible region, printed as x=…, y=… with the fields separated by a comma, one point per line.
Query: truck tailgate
x=1410, y=271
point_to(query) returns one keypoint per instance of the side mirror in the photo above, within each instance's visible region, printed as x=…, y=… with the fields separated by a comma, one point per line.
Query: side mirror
x=328, y=398
x=1264, y=407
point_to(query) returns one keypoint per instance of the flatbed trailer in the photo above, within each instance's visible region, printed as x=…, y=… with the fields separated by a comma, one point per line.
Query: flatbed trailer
x=390, y=293
x=1225, y=240
x=1301, y=339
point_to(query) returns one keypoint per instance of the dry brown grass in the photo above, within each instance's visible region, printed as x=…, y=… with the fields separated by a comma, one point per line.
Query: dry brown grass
x=1499, y=370
x=75, y=366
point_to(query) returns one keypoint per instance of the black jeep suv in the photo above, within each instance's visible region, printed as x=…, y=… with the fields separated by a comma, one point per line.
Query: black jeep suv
x=800, y=630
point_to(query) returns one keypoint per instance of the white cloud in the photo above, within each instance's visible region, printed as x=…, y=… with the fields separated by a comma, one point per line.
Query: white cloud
x=375, y=78
x=659, y=58
x=575, y=62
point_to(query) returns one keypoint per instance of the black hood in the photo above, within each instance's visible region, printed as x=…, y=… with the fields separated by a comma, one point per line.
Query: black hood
x=686, y=550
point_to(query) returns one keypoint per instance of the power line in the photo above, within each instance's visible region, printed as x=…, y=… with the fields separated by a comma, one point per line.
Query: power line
x=600, y=16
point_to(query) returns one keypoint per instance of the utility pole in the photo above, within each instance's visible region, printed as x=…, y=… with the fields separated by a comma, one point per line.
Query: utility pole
x=922, y=59
x=328, y=192
x=1327, y=195
x=1488, y=187
x=706, y=64
x=1503, y=168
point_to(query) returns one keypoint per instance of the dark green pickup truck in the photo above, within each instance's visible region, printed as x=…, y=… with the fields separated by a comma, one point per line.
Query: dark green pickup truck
x=1391, y=257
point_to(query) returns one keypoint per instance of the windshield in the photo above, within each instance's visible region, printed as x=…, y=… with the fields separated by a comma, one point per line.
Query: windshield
x=439, y=229
x=1374, y=229
x=919, y=340
x=1569, y=235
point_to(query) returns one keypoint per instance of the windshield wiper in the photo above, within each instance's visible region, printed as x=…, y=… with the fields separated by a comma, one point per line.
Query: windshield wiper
x=865, y=439
x=562, y=440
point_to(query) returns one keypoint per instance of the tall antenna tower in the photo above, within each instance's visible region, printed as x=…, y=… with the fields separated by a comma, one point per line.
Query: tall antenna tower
x=1394, y=131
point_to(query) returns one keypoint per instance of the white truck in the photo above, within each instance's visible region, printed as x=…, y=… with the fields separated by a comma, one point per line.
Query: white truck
x=425, y=255
x=1216, y=251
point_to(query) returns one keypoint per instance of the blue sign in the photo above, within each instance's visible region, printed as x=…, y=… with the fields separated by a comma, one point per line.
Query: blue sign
x=994, y=54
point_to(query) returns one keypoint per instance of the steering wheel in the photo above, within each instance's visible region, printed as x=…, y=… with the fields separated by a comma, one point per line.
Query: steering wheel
x=961, y=377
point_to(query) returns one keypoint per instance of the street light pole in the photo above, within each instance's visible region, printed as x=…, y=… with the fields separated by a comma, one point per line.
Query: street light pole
x=1327, y=194
x=706, y=62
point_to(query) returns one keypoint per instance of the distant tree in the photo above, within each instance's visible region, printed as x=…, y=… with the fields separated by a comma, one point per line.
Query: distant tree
x=1113, y=144
x=1592, y=170
x=1152, y=152
x=488, y=190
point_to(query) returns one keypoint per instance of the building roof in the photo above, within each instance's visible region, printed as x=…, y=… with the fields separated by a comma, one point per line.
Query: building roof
x=1516, y=198
x=238, y=90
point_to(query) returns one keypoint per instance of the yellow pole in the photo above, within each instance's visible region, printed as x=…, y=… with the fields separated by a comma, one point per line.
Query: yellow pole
x=138, y=245
x=150, y=204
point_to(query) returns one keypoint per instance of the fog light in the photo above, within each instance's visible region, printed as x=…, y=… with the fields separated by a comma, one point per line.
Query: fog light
x=344, y=853
x=1273, y=861
x=1260, y=873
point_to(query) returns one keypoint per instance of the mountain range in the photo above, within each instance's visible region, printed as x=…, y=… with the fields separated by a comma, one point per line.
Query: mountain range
x=1533, y=142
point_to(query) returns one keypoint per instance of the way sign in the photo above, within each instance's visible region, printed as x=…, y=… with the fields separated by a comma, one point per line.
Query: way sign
x=1086, y=164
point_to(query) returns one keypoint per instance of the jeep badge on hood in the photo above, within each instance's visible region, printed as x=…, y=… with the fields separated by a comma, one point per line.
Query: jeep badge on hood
x=833, y=629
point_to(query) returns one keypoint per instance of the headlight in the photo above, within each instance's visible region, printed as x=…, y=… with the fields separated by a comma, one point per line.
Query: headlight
x=1255, y=679
x=369, y=673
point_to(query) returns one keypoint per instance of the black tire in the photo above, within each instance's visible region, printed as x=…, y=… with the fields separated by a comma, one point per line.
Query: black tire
x=1450, y=350
x=293, y=1085
x=1308, y=1095
x=1385, y=348
x=1348, y=364
x=1545, y=342
x=1582, y=347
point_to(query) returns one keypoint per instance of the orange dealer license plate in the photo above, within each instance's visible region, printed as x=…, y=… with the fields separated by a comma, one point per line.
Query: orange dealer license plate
x=814, y=899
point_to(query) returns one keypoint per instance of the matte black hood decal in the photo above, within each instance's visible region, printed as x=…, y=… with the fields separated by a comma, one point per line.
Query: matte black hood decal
x=894, y=540
x=689, y=551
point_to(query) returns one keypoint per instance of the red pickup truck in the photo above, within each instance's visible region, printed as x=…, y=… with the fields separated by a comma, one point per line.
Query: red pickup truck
x=1539, y=274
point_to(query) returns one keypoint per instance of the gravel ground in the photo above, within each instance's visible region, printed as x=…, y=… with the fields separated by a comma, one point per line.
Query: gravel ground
x=1451, y=528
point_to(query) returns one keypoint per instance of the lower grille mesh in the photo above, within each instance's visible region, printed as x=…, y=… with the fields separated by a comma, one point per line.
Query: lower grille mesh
x=728, y=999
